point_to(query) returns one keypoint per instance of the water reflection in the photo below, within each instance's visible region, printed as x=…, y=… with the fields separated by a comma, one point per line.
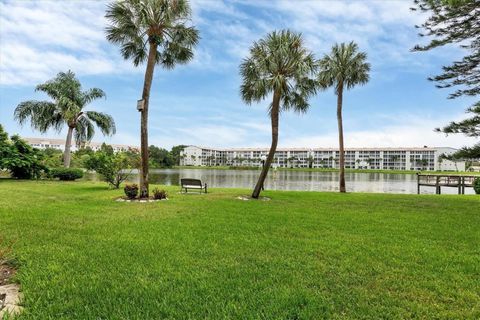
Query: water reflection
x=293, y=180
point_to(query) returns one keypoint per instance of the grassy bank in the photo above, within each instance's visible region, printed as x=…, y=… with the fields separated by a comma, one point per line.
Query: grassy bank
x=333, y=170
x=299, y=256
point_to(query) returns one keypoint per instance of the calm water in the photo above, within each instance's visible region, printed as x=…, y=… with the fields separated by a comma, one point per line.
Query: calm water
x=294, y=180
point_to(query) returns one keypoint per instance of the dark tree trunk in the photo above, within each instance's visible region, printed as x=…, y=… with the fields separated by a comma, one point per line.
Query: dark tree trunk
x=340, y=137
x=147, y=84
x=68, y=143
x=274, y=118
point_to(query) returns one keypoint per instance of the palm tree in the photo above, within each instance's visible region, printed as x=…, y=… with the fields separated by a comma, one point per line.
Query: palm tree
x=155, y=32
x=395, y=159
x=343, y=68
x=279, y=65
x=310, y=160
x=358, y=162
x=67, y=108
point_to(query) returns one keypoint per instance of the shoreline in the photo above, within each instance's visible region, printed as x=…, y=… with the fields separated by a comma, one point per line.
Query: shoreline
x=453, y=173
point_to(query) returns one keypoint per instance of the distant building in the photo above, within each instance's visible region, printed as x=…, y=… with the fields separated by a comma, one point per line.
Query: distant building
x=355, y=158
x=44, y=143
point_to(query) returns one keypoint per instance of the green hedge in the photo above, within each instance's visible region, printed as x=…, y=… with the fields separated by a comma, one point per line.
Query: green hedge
x=66, y=174
x=476, y=185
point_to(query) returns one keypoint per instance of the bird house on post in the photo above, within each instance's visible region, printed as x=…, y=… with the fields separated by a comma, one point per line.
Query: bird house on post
x=140, y=104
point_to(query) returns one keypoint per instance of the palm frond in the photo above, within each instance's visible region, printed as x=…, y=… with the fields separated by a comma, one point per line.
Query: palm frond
x=103, y=121
x=69, y=101
x=345, y=66
x=279, y=62
x=84, y=131
x=163, y=23
x=43, y=115
x=91, y=95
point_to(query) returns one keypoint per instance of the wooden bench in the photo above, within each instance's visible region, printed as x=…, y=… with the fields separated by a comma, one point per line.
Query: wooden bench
x=192, y=184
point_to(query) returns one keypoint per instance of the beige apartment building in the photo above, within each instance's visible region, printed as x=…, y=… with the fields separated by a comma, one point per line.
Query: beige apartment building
x=355, y=158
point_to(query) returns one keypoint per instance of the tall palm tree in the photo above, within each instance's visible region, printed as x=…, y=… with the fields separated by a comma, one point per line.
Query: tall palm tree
x=344, y=68
x=155, y=32
x=67, y=108
x=280, y=65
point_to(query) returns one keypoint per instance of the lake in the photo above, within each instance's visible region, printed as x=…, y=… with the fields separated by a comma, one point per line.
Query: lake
x=294, y=180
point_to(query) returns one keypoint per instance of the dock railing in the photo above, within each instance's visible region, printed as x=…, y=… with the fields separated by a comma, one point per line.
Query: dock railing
x=436, y=180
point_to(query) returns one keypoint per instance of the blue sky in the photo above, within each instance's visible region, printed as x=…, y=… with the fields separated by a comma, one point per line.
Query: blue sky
x=199, y=103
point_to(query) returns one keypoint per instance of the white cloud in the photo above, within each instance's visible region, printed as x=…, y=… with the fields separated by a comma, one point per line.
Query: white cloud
x=384, y=29
x=39, y=39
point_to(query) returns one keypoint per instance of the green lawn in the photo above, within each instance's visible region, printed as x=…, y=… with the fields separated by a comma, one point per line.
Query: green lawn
x=302, y=255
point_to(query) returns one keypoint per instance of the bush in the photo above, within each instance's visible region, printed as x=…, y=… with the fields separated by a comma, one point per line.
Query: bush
x=114, y=168
x=476, y=185
x=19, y=158
x=159, y=194
x=131, y=191
x=66, y=174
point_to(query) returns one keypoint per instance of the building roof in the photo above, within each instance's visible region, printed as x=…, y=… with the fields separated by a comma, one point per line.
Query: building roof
x=326, y=149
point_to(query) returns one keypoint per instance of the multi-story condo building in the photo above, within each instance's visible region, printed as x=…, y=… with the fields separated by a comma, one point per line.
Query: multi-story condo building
x=44, y=143
x=355, y=158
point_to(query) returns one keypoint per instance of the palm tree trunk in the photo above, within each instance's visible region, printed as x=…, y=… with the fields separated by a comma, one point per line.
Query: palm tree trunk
x=68, y=142
x=147, y=84
x=274, y=118
x=340, y=137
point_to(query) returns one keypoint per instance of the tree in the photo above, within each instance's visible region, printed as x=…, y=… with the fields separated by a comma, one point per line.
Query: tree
x=19, y=158
x=279, y=65
x=114, y=168
x=423, y=163
x=343, y=68
x=465, y=153
x=455, y=22
x=176, y=153
x=311, y=161
x=67, y=108
x=155, y=32
x=160, y=158
x=394, y=159
x=52, y=158
x=469, y=127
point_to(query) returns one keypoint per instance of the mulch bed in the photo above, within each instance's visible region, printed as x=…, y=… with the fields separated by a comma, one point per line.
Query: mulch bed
x=150, y=199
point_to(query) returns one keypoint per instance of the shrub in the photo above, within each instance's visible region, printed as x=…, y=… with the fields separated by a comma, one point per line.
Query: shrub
x=66, y=174
x=131, y=191
x=19, y=158
x=476, y=185
x=159, y=194
x=114, y=168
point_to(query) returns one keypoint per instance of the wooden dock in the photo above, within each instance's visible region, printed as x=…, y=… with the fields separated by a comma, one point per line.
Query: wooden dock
x=439, y=181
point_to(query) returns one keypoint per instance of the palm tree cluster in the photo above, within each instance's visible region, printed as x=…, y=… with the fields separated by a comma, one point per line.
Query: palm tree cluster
x=281, y=67
x=159, y=32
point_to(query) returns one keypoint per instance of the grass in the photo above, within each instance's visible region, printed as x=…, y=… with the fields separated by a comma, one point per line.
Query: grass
x=336, y=170
x=302, y=255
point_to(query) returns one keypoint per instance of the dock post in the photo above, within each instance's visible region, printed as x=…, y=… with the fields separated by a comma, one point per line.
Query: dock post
x=418, y=183
x=437, y=186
